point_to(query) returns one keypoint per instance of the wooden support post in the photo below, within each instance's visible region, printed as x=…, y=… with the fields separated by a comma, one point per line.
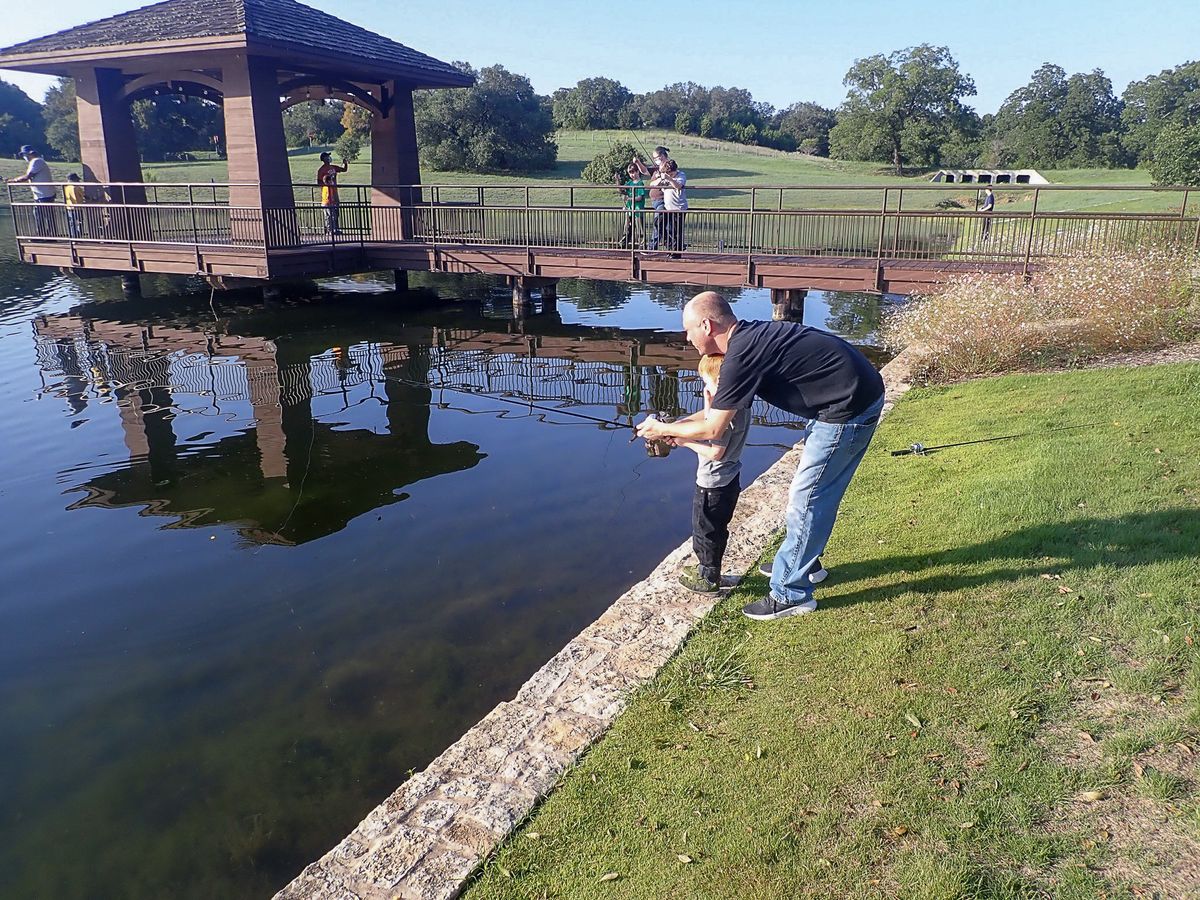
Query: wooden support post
x=401, y=276
x=394, y=165
x=131, y=285
x=257, y=152
x=107, y=142
x=522, y=298
x=787, y=304
x=549, y=294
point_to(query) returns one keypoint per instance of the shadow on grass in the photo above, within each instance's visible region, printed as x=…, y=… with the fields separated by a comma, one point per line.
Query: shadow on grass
x=1060, y=548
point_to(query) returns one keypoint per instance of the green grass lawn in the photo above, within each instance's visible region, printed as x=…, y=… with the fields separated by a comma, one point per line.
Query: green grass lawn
x=733, y=167
x=998, y=696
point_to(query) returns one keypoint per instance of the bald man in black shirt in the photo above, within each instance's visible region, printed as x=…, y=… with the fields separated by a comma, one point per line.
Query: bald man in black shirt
x=805, y=371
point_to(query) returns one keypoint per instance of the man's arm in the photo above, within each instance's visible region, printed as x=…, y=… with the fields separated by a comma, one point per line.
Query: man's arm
x=712, y=426
x=704, y=449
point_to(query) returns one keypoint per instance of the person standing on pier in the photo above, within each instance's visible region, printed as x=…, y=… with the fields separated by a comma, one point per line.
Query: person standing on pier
x=804, y=371
x=658, y=157
x=986, y=207
x=327, y=179
x=39, y=177
x=634, y=192
x=674, y=187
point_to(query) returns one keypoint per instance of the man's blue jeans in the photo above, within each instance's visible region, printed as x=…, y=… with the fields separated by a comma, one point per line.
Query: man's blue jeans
x=831, y=456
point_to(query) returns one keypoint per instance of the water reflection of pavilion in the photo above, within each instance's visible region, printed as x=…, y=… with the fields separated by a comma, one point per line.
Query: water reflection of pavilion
x=349, y=422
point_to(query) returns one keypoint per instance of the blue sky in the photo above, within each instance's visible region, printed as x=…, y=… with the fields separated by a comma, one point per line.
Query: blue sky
x=781, y=51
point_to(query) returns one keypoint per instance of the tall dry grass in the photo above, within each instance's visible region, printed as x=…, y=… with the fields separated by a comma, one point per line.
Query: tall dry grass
x=1077, y=309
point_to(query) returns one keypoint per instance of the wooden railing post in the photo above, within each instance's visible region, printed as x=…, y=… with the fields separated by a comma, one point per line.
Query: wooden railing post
x=1029, y=240
x=750, y=235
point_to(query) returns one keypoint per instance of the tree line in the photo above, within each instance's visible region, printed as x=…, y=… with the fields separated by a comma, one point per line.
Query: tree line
x=906, y=108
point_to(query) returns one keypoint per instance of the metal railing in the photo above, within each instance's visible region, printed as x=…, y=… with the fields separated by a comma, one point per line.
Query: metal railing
x=913, y=222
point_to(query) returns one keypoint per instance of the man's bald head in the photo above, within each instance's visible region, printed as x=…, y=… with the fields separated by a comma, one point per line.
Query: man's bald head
x=711, y=305
x=707, y=319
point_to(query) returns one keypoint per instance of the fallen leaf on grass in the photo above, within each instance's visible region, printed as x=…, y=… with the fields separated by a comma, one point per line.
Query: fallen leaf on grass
x=900, y=831
x=1063, y=589
x=913, y=721
x=1087, y=737
x=1091, y=796
x=683, y=858
x=1144, y=596
x=533, y=835
x=1188, y=751
x=966, y=825
x=610, y=876
x=1138, y=770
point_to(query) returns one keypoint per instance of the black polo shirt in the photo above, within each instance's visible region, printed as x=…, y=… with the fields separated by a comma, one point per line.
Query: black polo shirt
x=803, y=370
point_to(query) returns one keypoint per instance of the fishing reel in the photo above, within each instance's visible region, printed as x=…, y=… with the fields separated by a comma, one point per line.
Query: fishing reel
x=660, y=447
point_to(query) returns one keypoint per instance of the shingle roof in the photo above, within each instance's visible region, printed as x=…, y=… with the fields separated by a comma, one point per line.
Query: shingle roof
x=281, y=23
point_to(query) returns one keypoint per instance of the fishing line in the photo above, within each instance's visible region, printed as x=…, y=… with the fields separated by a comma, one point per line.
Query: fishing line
x=919, y=449
x=312, y=439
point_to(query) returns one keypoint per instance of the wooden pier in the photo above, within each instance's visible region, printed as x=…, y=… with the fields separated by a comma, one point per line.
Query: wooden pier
x=788, y=244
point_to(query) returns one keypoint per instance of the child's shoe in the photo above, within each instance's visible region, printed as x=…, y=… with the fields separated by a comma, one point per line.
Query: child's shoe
x=694, y=581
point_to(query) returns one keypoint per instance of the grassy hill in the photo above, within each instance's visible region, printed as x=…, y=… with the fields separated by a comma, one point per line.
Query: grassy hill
x=719, y=174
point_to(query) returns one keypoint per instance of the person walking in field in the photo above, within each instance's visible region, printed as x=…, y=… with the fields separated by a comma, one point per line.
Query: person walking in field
x=804, y=371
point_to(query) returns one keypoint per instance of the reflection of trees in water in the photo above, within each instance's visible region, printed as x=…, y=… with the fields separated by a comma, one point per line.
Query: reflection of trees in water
x=593, y=295
x=854, y=315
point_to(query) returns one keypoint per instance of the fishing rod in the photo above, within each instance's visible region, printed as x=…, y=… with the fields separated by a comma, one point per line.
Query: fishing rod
x=524, y=404
x=920, y=449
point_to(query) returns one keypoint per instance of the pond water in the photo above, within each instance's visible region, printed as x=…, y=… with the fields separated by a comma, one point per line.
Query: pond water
x=262, y=560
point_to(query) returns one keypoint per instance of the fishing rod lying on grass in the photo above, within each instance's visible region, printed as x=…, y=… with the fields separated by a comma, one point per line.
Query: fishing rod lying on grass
x=919, y=449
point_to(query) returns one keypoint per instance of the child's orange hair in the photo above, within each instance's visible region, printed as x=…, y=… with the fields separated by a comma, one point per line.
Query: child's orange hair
x=710, y=366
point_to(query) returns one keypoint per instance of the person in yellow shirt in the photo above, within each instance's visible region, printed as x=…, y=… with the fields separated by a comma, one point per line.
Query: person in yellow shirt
x=75, y=197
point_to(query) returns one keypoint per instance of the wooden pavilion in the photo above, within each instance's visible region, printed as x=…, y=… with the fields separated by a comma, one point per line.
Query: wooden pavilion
x=255, y=58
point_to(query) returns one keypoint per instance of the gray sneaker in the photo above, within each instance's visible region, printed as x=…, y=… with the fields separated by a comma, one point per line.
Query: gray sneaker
x=769, y=608
x=816, y=572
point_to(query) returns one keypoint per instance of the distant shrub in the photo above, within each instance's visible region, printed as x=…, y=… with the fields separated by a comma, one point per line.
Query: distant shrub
x=348, y=146
x=604, y=168
x=1175, y=155
x=1079, y=309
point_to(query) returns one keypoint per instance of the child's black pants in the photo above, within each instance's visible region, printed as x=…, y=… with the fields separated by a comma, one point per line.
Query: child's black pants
x=712, y=508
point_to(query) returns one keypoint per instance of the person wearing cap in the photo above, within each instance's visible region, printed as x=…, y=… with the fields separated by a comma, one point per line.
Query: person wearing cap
x=39, y=177
x=327, y=179
x=75, y=196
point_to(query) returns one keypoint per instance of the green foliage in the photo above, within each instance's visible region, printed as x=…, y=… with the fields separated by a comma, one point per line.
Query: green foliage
x=357, y=120
x=1172, y=96
x=808, y=125
x=1059, y=121
x=903, y=107
x=497, y=125
x=592, y=103
x=20, y=119
x=62, y=119
x=170, y=124
x=1175, y=155
x=606, y=166
x=348, y=146
x=313, y=123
